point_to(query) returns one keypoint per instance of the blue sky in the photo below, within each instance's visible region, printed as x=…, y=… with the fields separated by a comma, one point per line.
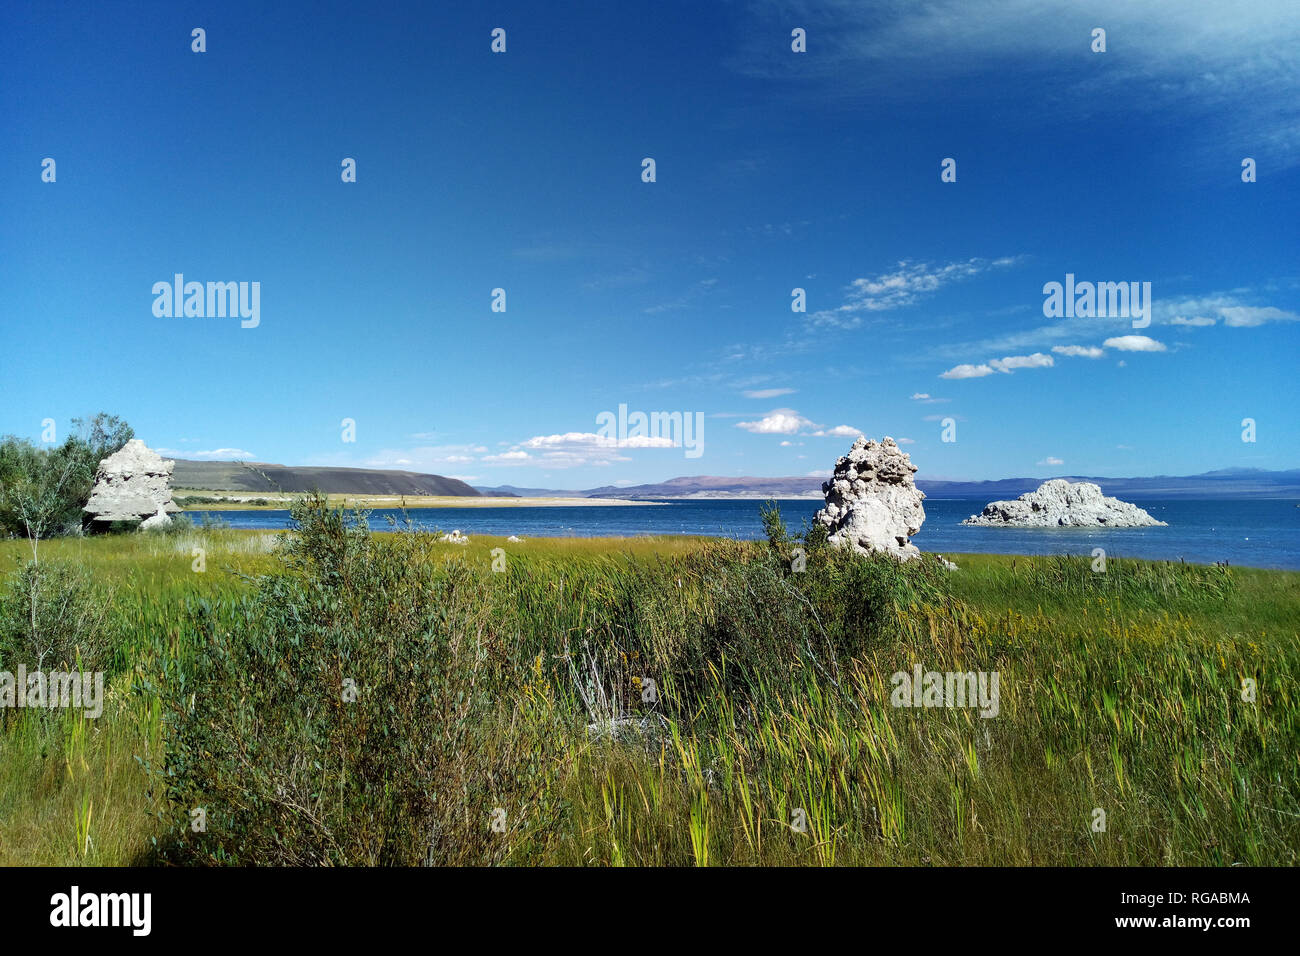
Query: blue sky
x=774, y=170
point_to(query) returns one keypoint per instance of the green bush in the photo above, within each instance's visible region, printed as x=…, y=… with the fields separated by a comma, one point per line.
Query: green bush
x=51, y=617
x=352, y=714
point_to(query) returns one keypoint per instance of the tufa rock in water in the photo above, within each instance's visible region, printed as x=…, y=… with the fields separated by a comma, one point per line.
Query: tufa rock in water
x=872, y=503
x=1062, y=504
x=133, y=484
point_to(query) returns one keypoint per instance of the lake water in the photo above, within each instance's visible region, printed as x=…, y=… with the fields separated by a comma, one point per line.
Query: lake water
x=1263, y=533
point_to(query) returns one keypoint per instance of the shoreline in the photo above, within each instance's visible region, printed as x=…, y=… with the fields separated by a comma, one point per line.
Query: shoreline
x=679, y=541
x=244, y=502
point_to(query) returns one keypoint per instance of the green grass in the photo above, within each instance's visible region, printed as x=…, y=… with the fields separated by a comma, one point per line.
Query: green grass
x=1119, y=691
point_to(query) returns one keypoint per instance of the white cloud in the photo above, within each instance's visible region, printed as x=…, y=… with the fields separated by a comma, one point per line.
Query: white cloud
x=1012, y=362
x=1204, y=311
x=905, y=441
x=573, y=450
x=570, y=441
x=769, y=392
x=967, y=371
x=906, y=284
x=839, y=431
x=1004, y=365
x=1246, y=316
x=1049, y=460
x=782, y=421
x=1079, y=351
x=1224, y=306
x=216, y=454
x=423, y=458
x=1134, y=343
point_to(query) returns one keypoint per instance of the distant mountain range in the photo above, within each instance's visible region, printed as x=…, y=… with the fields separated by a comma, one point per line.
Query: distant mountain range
x=1225, y=483
x=267, y=477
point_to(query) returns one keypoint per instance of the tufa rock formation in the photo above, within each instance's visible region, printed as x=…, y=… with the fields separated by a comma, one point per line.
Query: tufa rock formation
x=872, y=504
x=1062, y=504
x=133, y=484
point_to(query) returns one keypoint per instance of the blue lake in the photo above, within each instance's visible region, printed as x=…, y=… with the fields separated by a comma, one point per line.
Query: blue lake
x=1262, y=533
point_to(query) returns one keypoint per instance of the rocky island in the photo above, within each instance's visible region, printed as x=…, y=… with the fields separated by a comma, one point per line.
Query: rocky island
x=1063, y=504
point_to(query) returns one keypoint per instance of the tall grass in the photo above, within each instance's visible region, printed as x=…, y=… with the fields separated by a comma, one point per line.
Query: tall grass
x=504, y=716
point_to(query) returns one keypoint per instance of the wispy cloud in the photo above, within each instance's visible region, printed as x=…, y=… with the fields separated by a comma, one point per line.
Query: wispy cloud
x=1079, y=351
x=1227, y=308
x=688, y=298
x=1049, y=461
x=1244, y=316
x=905, y=285
x=1238, y=308
x=1228, y=69
x=573, y=450
x=769, y=392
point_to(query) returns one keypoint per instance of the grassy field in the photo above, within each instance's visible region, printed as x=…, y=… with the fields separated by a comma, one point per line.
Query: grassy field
x=668, y=701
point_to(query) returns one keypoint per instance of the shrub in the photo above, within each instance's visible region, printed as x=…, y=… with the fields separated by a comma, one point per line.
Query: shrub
x=51, y=617
x=351, y=714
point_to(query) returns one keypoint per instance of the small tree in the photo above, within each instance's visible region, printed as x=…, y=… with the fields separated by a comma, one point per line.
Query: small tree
x=37, y=494
x=43, y=491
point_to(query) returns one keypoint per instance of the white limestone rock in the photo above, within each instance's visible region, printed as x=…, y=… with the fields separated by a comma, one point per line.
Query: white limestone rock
x=872, y=502
x=158, y=522
x=1063, y=504
x=132, y=484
